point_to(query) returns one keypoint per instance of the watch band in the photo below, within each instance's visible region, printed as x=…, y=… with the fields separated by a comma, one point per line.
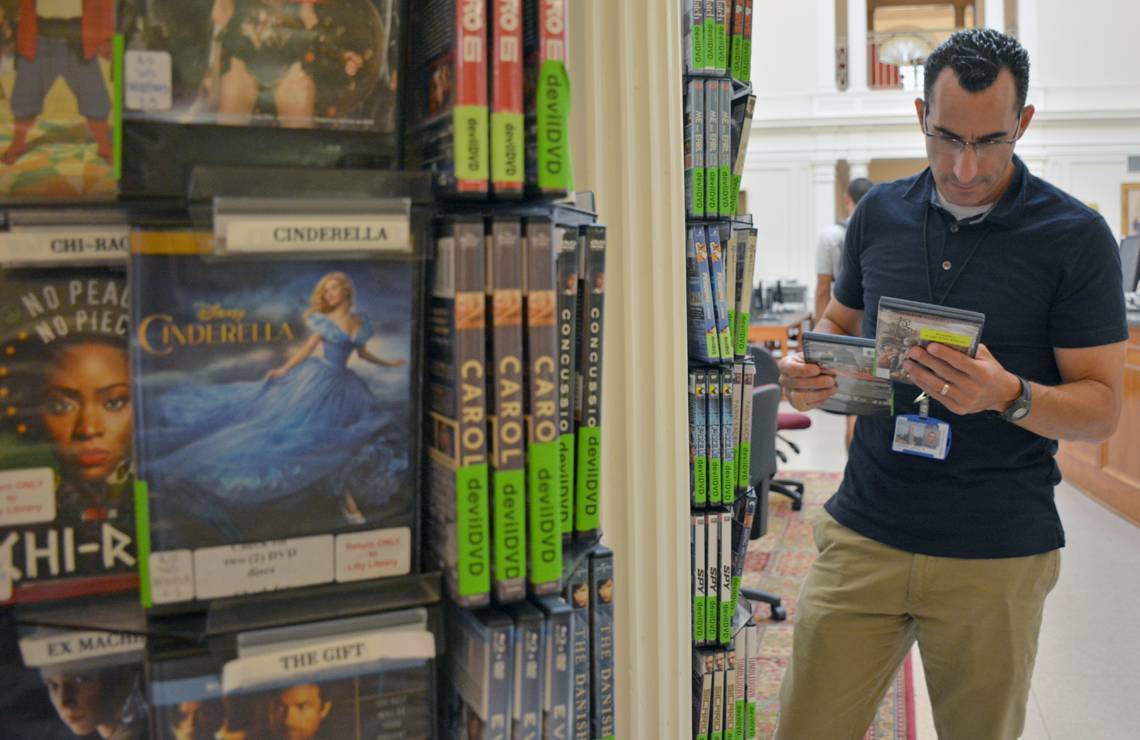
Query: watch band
x=1019, y=409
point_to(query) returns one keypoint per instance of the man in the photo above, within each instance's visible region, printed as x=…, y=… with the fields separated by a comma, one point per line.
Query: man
x=106, y=703
x=958, y=554
x=829, y=250
x=297, y=712
x=61, y=38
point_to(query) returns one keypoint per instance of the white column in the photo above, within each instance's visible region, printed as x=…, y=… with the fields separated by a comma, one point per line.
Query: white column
x=825, y=45
x=1027, y=13
x=857, y=45
x=823, y=197
x=627, y=147
x=995, y=14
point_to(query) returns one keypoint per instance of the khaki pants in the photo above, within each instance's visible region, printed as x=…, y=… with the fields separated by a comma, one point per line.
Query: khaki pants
x=864, y=604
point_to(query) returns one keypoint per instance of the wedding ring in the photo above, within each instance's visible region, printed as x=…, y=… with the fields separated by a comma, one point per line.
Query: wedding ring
x=945, y=389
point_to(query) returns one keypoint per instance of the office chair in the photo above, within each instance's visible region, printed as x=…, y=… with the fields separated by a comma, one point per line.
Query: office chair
x=765, y=409
x=767, y=373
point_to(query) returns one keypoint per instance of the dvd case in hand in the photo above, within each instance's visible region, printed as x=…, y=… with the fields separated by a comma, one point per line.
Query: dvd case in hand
x=588, y=393
x=695, y=174
x=724, y=578
x=698, y=440
x=540, y=339
x=548, y=165
x=693, y=35
x=712, y=577
x=58, y=145
x=68, y=524
x=727, y=196
x=744, y=458
x=697, y=559
x=508, y=143
x=480, y=668
x=567, y=369
x=716, y=454
x=727, y=440
x=712, y=148
x=506, y=422
x=603, y=719
x=704, y=343
x=904, y=324
x=558, y=681
x=578, y=596
x=745, y=267
x=704, y=665
x=63, y=684
x=448, y=97
x=852, y=361
x=529, y=658
x=458, y=485
x=721, y=291
x=236, y=416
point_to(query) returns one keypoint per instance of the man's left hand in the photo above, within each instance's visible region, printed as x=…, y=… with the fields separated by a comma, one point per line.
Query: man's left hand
x=963, y=384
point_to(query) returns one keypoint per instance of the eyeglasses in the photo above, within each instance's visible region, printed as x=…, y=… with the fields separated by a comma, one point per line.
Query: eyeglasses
x=986, y=148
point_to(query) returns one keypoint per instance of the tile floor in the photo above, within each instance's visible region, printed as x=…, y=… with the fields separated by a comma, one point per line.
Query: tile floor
x=1086, y=685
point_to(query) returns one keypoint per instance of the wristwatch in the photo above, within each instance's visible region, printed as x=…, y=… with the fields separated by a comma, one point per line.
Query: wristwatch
x=1019, y=409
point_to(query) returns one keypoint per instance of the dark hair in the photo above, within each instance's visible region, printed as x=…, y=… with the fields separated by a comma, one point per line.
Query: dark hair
x=857, y=188
x=977, y=55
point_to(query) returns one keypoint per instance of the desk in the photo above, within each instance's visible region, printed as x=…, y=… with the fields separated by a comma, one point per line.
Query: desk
x=778, y=328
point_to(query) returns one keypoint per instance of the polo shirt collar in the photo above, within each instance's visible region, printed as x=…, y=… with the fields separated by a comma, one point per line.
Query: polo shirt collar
x=1007, y=212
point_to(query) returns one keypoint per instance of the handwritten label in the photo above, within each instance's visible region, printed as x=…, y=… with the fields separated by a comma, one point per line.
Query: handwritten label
x=66, y=647
x=263, y=566
x=364, y=555
x=27, y=496
x=326, y=655
x=147, y=81
x=171, y=576
x=262, y=233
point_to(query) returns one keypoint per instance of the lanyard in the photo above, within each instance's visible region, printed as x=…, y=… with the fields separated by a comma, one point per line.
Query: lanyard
x=926, y=254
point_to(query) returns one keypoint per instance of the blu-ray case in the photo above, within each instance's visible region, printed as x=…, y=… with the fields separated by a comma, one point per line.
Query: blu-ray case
x=67, y=522
x=276, y=430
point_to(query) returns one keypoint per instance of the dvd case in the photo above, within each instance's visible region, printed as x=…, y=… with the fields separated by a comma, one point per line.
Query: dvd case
x=448, y=97
x=710, y=36
x=694, y=133
x=578, y=596
x=744, y=458
x=558, y=681
x=480, y=668
x=567, y=369
x=68, y=526
x=730, y=249
x=721, y=36
x=693, y=35
x=700, y=587
x=745, y=269
x=724, y=581
x=504, y=275
x=458, y=484
x=727, y=440
x=703, y=668
x=716, y=453
x=704, y=343
x=529, y=654
x=720, y=293
x=730, y=693
x=852, y=361
x=544, y=503
x=740, y=689
x=737, y=419
x=548, y=164
x=746, y=59
x=60, y=145
x=742, y=108
x=727, y=195
x=508, y=145
x=698, y=439
x=716, y=725
x=736, y=39
x=588, y=393
x=712, y=577
x=903, y=324
x=712, y=146
x=603, y=719
x=754, y=686
x=236, y=415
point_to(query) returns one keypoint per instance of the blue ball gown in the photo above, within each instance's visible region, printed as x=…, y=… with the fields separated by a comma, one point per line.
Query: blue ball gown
x=247, y=444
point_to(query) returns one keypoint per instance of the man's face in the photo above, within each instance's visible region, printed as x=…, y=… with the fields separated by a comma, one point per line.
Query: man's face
x=969, y=177
x=297, y=712
x=78, y=699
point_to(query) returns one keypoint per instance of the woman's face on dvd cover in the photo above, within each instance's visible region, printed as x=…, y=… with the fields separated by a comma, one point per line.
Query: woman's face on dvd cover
x=80, y=701
x=87, y=410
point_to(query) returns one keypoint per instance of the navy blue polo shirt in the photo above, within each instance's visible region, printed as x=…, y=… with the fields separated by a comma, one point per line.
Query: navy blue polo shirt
x=1045, y=270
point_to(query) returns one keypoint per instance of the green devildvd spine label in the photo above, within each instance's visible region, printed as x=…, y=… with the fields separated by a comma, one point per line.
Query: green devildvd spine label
x=474, y=575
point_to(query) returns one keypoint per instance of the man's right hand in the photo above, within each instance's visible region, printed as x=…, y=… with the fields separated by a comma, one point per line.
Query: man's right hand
x=806, y=385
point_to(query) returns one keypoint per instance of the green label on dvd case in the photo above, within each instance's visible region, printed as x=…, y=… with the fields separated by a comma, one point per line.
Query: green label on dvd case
x=698, y=191
x=725, y=622
x=710, y=42
x=721, y=45
x=746, y=62
x=544, y=512
x=586, y=513
x=553, y=96
x=471, y=160
x=726, y=344
x=508, y=525
x=716, y=485
x=728, y=475
x=740, y=717
x=712, y=192
x=725, y=190
x=700, y=480
x=473, y=556
x=740, y=334
x=507, y=148
x=698, y=47
x=698, y=618
x=736, y=581
x=710, y=619
x=566, y=481
x=734, y=201
x=712, y=345
x=732, y=321
x=745, y=465
x=142, y=541
x=751, y=727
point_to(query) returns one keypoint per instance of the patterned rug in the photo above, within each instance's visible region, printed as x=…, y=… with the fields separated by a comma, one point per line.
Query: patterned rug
x=778, y=563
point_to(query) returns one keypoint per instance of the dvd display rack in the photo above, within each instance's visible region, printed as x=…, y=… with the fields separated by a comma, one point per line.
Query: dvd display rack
x=302, y=327
x=720, y=257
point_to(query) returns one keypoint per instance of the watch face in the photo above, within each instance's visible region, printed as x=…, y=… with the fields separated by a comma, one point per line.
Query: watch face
x=1019, y=413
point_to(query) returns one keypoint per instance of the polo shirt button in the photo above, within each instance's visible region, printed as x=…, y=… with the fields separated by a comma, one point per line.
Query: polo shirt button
x=953, y=228
x=946, y=265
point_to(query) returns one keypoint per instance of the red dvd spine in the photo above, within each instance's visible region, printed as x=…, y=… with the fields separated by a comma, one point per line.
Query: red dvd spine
x=472, y=162
x=507, y=133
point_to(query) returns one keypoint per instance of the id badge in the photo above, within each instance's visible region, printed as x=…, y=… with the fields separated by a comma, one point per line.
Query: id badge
x=921, y=436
